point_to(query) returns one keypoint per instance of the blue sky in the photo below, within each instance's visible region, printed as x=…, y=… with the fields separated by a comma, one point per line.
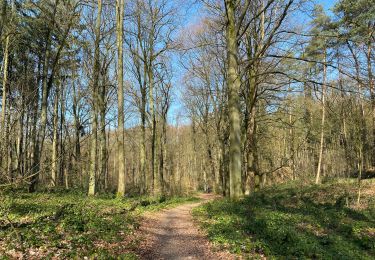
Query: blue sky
x=191, y=13
x=327, y=3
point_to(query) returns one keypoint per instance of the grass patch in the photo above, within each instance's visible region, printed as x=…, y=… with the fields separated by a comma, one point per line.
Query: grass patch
x=72, y=225
x=290, y=221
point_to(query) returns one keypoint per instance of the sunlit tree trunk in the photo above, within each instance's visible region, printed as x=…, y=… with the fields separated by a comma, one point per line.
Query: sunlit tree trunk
x=163, y=154
x=95, y=102
x=77, y=130
x=55, y=141
x=102, y=134
x=153, y=179
x=371, y=83
x=65, y=164
x=142, y=153
x=120, y=100
x=34, y=121
x=20, y=139
x=4, y=135
x=233, y=82
x=195, y=150
x=291, y=144
x=321, y=146
x=93, y=153
x=46, y=84
x=252, y=153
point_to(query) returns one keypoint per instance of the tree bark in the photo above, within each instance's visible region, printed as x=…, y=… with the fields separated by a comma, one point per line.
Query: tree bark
x=46, y=83
x=55, y=141
x=102, y=135
x=233, y=82
x=4, y=134
x=77, y=132
x=321, y=147
x=142, y=155
x=372, y=95
x=154, y=182
x=120, y=100
x=95, y=101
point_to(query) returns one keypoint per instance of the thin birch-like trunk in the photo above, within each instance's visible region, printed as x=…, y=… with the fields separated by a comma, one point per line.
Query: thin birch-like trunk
x=4, y=135
x=321, y=146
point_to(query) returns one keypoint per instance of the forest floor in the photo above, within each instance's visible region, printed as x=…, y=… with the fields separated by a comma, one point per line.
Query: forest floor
x=295, y=221
x=172, y=234
x=70, y=225
x=289, y=221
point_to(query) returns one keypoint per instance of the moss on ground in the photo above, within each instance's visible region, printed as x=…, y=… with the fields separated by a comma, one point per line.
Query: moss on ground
x=295, y=222
x=72, y=225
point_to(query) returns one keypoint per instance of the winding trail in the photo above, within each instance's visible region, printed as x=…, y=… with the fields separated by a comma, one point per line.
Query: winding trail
x=172, y=234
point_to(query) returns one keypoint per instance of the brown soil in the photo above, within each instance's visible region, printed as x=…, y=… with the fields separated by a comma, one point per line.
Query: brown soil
x=172, y=234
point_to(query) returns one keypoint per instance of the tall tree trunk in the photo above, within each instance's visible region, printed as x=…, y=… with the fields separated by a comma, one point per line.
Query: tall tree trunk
x=309, y=150
x=233, y=82
x=43, y=123
x=120, y=101
x=20, y=140
x=372, y=95
x=44, y=106
x=93, y=156
x=154, y=180
x=95, y=102
x=55, y=141
x=9, y=152
x=291, y=143
x=64, y=164
x=252, y=156
x=4, y=135
x=258, y=178
x=163, y=155
x=195, y=151
x=34, y=120
x=26, y=143
x=321, y=147
x=210, y=160
x=77, y=130
x=343, y=114
x=103, y=137
x=142, y=155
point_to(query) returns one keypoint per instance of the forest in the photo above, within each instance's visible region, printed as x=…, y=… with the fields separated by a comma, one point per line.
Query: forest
x=242, y=129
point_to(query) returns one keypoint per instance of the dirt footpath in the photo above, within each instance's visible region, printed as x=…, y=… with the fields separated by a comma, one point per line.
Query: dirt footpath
x=172, y=234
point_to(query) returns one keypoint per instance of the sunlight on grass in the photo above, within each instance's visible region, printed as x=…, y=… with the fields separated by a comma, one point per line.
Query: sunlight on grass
x=292, y=222
x=71, y=225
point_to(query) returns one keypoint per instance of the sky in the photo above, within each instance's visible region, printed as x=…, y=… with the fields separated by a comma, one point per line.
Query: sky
x=191, y=14
x=327, y=4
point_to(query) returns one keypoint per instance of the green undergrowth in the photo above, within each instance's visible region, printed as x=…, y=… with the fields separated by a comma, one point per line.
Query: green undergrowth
x=294, y=222
x=72, y=225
